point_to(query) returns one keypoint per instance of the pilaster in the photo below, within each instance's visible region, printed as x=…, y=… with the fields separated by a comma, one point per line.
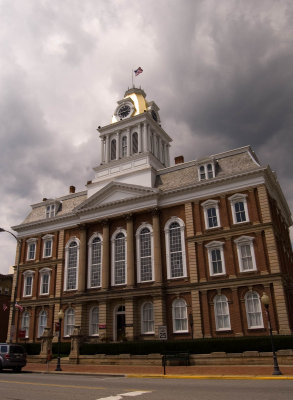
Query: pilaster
x=130, y=251
x=106, y=256
x=82, y=260
x=157, y=246
x=196, y=314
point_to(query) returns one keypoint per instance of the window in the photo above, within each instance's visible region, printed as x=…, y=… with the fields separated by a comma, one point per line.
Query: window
x=31, y=249
x=175, y=248
x=253, y=310
x=69, y=322
x=206, y=171
x=144, y=243
x=42, y=323
x=47, y=246
x=147, y=318
x=239, y=208
x=71, y=264
x=124, y=146
x=50, y=211
x=119, y=257
x=222, y=315
x=6, y=291
x=179, y=315
x=134, y=143
x=45, y=281
x=216, y=258
x=25, y=323
x=28, y=283
x=211, y=214
x=95, y=261
x=113, y=149
x=94, y=321
x=246, y=255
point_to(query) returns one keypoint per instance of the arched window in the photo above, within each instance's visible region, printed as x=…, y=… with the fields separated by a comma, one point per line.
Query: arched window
x=94, y=321
x=134, y=143
x=175, y=248
x=253, y=310
x=69, y=322
x=42, y=323
x=119, y=258
x=25, y=323
x=222, y=314
x=147, y=318
x=124, y=146
x=113, y=149
x=179, y=316
x=95, y=261
x=145, y=262
x=71, y=264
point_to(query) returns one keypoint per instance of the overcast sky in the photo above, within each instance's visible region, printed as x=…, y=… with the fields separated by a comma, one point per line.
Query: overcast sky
x=221, y=72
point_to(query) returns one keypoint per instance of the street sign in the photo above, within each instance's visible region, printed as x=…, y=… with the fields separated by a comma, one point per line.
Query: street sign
x=162, y=332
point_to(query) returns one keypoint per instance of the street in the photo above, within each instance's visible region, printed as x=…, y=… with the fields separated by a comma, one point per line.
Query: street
x=32, y=386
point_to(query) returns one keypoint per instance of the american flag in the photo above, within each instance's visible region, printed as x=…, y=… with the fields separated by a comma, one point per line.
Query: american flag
x=4, y=307
x=138, y=71
x=18, y=307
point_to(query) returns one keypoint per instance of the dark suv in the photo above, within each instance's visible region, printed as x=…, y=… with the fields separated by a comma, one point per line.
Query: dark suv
x=12, y=356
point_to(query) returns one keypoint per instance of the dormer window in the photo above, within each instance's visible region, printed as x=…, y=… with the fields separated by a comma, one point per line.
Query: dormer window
x=50, y=211
x=206, y=171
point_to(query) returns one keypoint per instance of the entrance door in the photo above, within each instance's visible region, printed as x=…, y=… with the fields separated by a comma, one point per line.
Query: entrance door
x=120, y=323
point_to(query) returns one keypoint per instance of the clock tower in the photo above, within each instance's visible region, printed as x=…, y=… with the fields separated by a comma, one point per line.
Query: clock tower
x=133, y=146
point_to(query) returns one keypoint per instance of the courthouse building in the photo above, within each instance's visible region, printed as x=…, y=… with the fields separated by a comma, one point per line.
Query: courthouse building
x=150, y=247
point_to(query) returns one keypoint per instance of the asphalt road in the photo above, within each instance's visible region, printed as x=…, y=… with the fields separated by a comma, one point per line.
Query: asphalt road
x=30, y=386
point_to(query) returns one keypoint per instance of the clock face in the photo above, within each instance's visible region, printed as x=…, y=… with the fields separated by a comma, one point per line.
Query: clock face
x=154, y=115
x=124, y=111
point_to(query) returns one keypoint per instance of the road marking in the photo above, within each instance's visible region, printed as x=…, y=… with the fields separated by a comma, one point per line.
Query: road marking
x=55, y=385
x=121, y=395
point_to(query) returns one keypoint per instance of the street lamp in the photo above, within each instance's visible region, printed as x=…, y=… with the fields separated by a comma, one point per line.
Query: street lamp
x=266, y=301
x=60, y=318
x=12, y=322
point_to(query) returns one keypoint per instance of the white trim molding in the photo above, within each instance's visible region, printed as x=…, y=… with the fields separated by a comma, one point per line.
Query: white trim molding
x=246, y=255
x=168, y=250
x=138, y=254
x=91, y=330
x=28, y=274
x=31, y=242
x=71, y=240
x=180, y=316
x=222, y=313
x=214, y=219
x=149, y=321
x=47, y=238
x=113, y=240
x=99, y=264
x=42, y=273
x=253, y=310
x=241, y=215
x=216, y=249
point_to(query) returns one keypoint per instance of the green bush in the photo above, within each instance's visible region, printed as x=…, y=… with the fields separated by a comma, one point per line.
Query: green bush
x=32, y=349
x=197, y=346
x=64, y=349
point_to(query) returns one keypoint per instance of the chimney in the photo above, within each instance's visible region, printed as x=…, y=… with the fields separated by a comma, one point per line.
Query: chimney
x=179, y=160
x=71, y=189
x=44, y=198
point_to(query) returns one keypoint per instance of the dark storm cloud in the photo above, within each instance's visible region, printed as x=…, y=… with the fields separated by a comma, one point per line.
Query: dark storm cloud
x=220, y=71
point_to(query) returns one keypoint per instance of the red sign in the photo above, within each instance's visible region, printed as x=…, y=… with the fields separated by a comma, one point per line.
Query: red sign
x=102, y=326
x=21, y=334
x=57, y=326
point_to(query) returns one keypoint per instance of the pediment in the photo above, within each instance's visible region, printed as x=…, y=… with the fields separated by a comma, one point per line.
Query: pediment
x=115, y=192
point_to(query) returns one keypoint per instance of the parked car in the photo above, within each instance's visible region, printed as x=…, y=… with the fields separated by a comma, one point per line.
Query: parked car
x=12, y=356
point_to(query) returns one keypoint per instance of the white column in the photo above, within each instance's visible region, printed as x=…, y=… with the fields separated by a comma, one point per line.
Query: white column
x=163, y=153
x=168, y=156
x=139, y=137
x=118, y=145
x=145, y=137
x=102, y=149
x=107, y=149
x=128, y=142
x=150, y=147
x=160, y=149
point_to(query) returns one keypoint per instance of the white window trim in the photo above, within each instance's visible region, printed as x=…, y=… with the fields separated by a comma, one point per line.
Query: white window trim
x=245, y=240
x=138, y=260
x=65, y=321
x=73, y=239
x=42, y=272
x=45, y=239
x=39, y=322
x=141, y=319
x=215, y=312
x=173, y=317
x=206, y=206
x=205, y=165
x=234, y=199
x=216, y=245
x=29, y=242
x=95, y=235
x=90, y=321
x=167, y=237
x=118, y=230
x=26, y=274
x=246, y=310
x=22, y=323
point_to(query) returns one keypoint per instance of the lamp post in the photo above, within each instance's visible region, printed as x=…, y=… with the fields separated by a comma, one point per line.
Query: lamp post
x=60, y=318
x=12, y=322
x=266, y=301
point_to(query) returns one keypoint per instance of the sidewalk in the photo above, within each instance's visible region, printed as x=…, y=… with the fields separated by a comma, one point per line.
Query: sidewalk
x=191, y=372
